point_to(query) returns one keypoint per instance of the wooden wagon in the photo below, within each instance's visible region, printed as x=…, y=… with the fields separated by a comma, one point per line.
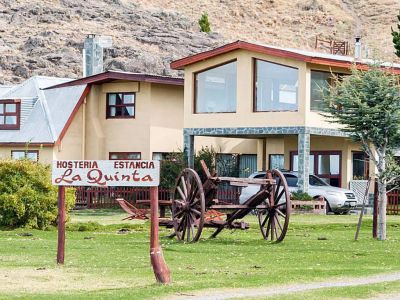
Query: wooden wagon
x=195, y=205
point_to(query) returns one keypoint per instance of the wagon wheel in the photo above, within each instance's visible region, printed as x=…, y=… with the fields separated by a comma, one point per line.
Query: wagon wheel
x=274, y=220
x=188, y=206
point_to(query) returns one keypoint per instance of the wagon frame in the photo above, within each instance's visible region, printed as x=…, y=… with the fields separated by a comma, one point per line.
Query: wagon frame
x=195, y=205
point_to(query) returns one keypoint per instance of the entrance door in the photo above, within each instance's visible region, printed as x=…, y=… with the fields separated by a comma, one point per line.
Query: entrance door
x=324, y=164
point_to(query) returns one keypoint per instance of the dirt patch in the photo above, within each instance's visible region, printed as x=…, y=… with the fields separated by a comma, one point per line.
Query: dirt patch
x=29, y=280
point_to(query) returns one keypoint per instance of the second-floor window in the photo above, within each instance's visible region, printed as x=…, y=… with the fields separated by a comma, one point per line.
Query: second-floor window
x=120, y=105
x=215, y=89
x=320, y=83
x=9, y=114
x=276, y=87
x=125, y=155
x=28, y=154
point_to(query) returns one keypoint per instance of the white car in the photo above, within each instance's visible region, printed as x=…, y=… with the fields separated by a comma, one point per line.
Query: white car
x=339, y=201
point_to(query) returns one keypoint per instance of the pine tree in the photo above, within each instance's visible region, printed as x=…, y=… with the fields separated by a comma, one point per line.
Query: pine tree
x=396, y=37
x=204, y=23
x=367, y=104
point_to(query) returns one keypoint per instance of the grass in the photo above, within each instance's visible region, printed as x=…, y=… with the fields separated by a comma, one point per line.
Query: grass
x=102, y=263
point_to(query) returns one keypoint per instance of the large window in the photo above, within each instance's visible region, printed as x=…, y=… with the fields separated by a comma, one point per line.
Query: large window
x=9, y=114
x=276, y=87
x=120, y=105
x=320, y=83
x=28, y=154
x=215, y=89
x=124, y=155
x=276, y=161
x=360, y=166
x=324, y=164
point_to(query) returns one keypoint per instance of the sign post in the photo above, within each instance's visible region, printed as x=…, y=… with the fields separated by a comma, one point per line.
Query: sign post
x=61, y=225
x=105, y=173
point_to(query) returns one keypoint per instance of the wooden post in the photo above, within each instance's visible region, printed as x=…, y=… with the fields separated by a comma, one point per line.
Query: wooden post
x=160, y=268
x=61, y=225
x=375, y=215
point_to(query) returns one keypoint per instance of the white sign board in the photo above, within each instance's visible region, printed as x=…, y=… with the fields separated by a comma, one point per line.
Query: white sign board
x=105, y=173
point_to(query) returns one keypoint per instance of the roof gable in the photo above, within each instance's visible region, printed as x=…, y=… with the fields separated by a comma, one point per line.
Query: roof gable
x=302, y=55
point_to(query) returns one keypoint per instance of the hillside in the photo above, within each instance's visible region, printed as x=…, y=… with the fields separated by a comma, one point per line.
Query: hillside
x=46, y=36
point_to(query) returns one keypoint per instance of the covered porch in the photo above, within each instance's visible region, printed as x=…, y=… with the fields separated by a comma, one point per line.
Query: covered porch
x=327, y=153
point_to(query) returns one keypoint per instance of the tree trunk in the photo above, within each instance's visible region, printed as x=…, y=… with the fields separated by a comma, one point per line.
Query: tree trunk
x=382, y=200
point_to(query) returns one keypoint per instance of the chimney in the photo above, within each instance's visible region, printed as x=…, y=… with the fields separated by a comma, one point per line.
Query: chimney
x=93, y=53
x=357, y=48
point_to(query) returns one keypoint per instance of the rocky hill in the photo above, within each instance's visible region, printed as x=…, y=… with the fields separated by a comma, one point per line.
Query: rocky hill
x=46, y=36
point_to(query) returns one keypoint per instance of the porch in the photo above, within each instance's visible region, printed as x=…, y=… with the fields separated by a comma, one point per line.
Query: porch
x=327, y=153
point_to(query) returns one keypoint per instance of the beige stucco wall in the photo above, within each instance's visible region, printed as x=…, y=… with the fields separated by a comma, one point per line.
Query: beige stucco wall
x=157, y=126
x=244, y=116
x=45, y=153
x=227, y=145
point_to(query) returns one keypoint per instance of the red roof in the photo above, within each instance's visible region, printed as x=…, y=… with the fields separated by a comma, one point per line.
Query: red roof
x=307, y=56
x=109, y=76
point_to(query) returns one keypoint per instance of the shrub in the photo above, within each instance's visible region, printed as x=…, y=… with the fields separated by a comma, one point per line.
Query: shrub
x=170, y=168
x=27, y=196
x=299, y=195
x=204, y=23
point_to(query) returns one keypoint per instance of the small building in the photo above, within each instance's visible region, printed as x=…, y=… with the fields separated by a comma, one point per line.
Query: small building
x=271, y=95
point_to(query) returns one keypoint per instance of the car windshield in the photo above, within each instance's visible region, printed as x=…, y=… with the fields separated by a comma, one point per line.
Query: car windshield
x=313, y=180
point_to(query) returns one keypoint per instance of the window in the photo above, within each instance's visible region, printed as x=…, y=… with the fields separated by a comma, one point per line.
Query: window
x=360, y=166
x=9, y=114
x=120, y=105
x=324, y=164
x=29, y=154
x=160, y=155
x=275, y=87
x=276, y=161
x=215, y=89
x=125, y=155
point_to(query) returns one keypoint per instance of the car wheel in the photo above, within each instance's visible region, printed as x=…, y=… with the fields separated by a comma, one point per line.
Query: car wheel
x=328, y=208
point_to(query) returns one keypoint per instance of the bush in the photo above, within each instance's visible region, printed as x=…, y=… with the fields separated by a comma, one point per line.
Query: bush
x=27, y=196
x=204, y=23
x=170, y=169
x=299, y=195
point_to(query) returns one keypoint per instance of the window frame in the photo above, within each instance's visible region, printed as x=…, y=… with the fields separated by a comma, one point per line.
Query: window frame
x=108, y=106
x=366, y=164
x=194, y=101
x=316, y=154
x=255, y=86
x=25, y=154
x=17, y=114
x=124, y=154
x=340, y=76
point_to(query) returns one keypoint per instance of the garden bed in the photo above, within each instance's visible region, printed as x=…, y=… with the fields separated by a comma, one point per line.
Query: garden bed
x=316, y=207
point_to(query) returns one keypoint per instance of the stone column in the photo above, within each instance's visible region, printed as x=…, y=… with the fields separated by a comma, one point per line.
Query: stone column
x=188, y=146
x=303, y=145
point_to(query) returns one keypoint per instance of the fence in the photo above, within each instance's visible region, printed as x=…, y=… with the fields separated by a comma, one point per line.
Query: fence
x=98, y=197
x=392, y=207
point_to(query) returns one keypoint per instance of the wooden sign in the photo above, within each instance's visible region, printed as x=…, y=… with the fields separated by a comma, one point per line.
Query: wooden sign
x=105, y=173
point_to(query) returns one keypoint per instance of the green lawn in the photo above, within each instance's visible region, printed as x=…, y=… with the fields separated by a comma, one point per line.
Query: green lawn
x=100, y=262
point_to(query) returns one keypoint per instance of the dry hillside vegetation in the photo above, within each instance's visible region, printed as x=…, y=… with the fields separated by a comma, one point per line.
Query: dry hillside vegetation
x=46, y=37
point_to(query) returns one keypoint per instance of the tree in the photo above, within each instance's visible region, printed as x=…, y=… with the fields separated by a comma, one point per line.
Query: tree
x=204, y=23
x=367, y=104
x=396, y=37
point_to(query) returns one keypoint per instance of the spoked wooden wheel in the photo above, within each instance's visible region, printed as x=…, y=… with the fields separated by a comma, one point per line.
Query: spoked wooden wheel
x=274, y=220
x=188, y=206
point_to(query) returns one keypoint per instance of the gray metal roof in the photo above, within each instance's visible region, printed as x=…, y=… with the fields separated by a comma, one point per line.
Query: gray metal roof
x=4, y=89
x=44, y=113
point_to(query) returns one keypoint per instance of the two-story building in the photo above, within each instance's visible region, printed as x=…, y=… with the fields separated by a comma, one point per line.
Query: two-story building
x=111, y=115
x=272, y=95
